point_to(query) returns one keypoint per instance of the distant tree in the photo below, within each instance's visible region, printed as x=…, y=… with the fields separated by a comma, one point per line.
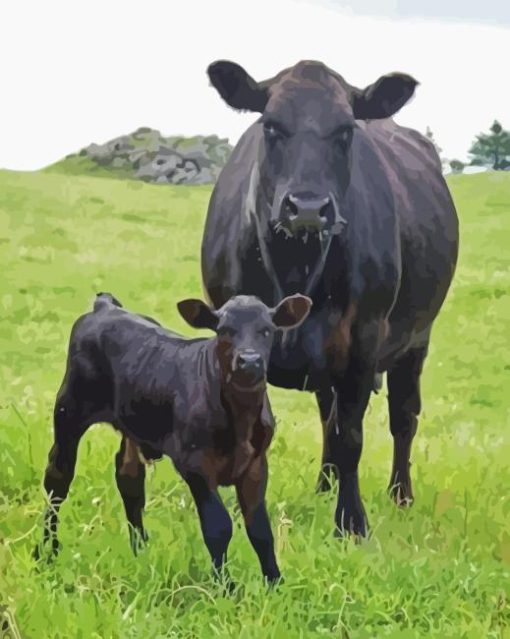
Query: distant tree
x=492, y=148
x=430, y=136
x=457, y=166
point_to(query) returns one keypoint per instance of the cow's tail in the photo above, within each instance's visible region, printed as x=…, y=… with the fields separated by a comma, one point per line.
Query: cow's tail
x=105, y=300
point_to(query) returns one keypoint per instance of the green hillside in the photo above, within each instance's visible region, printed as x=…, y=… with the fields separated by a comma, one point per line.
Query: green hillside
x=441, y=569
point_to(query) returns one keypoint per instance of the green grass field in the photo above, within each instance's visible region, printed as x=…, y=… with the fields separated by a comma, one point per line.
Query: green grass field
x=441, y=569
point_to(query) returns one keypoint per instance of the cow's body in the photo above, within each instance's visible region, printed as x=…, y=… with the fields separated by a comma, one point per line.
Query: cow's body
x=377, y=284
x=413, y=222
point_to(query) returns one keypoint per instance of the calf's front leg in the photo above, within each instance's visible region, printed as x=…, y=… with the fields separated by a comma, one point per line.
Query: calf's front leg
x=251, y=491
x=214, y=520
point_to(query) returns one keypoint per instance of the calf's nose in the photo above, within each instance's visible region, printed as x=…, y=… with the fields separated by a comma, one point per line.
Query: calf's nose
x=249, y=360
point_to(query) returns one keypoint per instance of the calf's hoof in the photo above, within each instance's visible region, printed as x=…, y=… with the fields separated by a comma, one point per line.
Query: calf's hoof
x=401, y=493
x=46, y=550
x=350, y=518
x=274, y=580
x=138, y=540
x=327, y=479
x=223, y=579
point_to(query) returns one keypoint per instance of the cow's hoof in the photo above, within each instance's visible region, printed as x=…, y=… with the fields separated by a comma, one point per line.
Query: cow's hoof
x=401, y=493
x=350, y=518
x=274, y=580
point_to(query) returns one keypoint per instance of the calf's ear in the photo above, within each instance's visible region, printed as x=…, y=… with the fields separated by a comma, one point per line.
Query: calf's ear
x=236, y=87
x=383, y=98
x=198, y=314
x=291, y=311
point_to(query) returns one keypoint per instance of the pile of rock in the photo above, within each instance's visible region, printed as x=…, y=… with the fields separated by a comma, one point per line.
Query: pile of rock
x=147, y=155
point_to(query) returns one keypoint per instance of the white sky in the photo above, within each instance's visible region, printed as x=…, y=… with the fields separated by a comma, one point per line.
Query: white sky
x=81, y=71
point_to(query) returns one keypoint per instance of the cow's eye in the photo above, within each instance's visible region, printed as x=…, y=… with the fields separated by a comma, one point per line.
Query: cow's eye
x=342, y=138
x=265, y=332
x=274, y=131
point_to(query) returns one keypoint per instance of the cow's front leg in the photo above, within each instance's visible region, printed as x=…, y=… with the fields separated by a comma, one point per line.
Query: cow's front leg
x=214, y=520
x=346, y=441
x=326, y=400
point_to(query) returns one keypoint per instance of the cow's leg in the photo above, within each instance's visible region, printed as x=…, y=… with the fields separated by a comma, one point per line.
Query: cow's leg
x=326, y=399
x=69, y=426
x=214, y=520
x=251, y=490
x=130, y=477
x=404, y=407
x=346, y=441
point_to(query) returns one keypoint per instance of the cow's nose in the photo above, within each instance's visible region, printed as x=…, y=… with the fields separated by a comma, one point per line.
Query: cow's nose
x=249, y=360
x=305, y=211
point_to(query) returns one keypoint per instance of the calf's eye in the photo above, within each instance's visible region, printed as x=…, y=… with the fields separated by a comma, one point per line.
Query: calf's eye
x=265, y=332
x=226, y=331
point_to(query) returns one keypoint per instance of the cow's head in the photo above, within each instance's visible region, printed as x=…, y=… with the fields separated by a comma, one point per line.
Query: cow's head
x=245, y=328
x=309, y=118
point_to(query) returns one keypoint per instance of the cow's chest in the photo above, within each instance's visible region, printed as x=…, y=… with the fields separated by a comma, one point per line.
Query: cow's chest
x=307, y=357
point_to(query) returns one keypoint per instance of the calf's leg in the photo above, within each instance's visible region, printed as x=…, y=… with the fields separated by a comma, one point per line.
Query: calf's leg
x=251, y=490
x=69, y=427
x=130, y=477
x=214, y=520
x=404, y=404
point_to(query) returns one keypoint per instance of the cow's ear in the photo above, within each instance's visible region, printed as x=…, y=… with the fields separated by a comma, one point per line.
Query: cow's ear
x=236, y=87
x=383, y=98
x=198, y=314
x=291, y=311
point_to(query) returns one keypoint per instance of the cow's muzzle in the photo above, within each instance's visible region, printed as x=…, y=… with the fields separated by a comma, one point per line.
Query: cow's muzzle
x=306, y=212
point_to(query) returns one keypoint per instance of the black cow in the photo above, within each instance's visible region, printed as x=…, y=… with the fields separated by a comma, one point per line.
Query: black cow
x=202, y=402
x=325, y=195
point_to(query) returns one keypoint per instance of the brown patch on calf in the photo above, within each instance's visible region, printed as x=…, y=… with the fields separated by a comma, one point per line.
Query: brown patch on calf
x=250, y=486
x=224, y=354
x=338, y=343
x=213, y=465
x=252, y=440
x=243, y=454
x=131, y=459
x=384, y=331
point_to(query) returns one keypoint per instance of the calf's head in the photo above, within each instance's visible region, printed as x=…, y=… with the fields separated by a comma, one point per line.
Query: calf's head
x=309, y=115
x=245, y=328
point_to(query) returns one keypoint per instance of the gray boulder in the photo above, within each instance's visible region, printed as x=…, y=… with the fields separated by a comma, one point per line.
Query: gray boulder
x=147, y=155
